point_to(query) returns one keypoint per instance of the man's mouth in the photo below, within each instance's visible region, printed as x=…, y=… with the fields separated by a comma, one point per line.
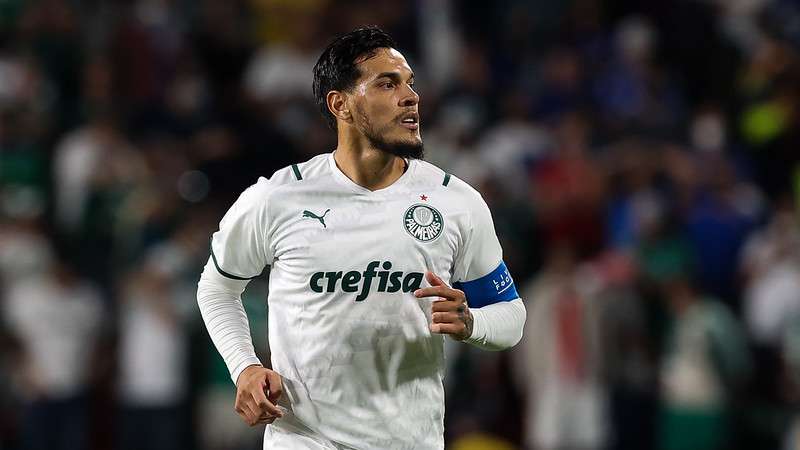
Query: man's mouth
x=410, y=120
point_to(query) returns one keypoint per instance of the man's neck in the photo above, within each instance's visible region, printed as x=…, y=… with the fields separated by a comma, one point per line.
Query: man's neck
x=368, y=167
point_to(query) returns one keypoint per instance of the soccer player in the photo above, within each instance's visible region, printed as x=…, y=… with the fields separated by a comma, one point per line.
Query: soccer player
x=364, y=244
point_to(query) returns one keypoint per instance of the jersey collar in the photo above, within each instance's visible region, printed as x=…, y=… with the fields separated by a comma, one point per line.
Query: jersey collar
x=350, y=184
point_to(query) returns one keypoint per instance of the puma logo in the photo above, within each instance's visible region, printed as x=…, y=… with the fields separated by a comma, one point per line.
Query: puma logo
x=310, y=215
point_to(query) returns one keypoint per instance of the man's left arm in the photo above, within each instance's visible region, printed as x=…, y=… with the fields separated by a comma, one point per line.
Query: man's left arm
x=494, y=326
x=482, y=307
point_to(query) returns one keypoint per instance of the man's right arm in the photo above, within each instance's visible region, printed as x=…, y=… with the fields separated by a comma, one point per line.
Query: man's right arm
x=257, y=388
x=219, y=299
x=239, y=252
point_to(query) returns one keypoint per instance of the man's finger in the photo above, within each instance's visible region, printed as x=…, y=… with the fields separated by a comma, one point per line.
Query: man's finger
x=264, y=405
x=241, y=412
x=245, y=408
x=250, y=413
x=445, y=317
x=274, y=386
x=266, y=420
x=446, y=306
x=446, y=328
x=258, y=394
x=437, y=291
x=434, y=279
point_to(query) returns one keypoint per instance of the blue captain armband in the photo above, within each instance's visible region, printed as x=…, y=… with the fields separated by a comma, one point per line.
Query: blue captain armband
x=497, y=286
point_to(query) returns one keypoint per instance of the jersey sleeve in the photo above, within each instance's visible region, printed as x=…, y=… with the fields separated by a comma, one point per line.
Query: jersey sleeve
x=479, y=268
x=240, y=249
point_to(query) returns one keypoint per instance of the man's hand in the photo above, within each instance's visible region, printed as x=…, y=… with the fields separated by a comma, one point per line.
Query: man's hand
x=450, y=313
x=257, y=392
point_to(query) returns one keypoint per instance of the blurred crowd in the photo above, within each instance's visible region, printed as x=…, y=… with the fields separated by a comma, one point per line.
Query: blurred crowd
x=641, y=160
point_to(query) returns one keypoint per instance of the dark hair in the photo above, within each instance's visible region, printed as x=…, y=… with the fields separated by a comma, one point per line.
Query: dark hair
x=336, y=68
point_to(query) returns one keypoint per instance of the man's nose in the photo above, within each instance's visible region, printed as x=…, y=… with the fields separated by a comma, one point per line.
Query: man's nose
x=410, y=98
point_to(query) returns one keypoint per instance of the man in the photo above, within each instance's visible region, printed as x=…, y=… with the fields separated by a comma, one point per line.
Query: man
x=363, y=245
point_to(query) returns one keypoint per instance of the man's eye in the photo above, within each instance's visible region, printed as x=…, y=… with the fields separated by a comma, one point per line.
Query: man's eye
x=388, y=85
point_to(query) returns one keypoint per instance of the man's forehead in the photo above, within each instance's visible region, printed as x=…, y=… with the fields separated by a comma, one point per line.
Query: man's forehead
x=384, y=60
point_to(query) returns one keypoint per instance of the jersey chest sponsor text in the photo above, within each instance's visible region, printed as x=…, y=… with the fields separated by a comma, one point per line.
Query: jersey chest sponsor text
x=362, y=282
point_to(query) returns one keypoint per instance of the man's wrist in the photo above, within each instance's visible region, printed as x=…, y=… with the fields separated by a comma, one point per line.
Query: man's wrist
x=248, y=362
x=498, y=326
x=478, y=333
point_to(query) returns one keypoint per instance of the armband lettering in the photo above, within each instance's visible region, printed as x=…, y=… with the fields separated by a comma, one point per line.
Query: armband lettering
x=497, y=286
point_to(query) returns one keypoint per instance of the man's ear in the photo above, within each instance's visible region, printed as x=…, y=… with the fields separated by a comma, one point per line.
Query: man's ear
x=337, y=105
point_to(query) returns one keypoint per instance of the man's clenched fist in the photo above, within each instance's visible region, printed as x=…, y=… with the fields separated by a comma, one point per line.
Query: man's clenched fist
x=449, y=312
x=257, y=392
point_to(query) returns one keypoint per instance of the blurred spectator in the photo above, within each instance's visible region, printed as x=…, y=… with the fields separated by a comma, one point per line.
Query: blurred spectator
x=145, y=49
x=771, y=265
x=568, y=189
x=512, y=145
x=154, y=359
x=51, y=31
x=724, y=211
x=768, y=96
x=56, y=318
x=10, y=403
x=440, y=55
x=95, y=168
x=222, y=46
x=87, y=162
x=282, y=70
x=629, y=342
x=635, y=204
x=561, y=358
x=632, y=93
x=24, y=251
x=562, y=88
x=705, y=364
x=789, y=382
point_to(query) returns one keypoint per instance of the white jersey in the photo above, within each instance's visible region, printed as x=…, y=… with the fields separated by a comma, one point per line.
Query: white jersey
x=352, y=343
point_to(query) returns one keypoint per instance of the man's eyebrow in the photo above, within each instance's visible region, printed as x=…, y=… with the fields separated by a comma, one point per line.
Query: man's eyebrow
x=394, y=76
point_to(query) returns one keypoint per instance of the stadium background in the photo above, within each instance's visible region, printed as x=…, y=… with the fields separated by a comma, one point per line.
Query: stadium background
x=641, y=160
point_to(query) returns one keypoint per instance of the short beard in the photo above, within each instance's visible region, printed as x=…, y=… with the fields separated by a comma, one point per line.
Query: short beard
x=403, y=149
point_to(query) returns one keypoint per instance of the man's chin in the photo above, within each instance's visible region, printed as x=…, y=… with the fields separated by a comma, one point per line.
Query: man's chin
x=404, y=149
